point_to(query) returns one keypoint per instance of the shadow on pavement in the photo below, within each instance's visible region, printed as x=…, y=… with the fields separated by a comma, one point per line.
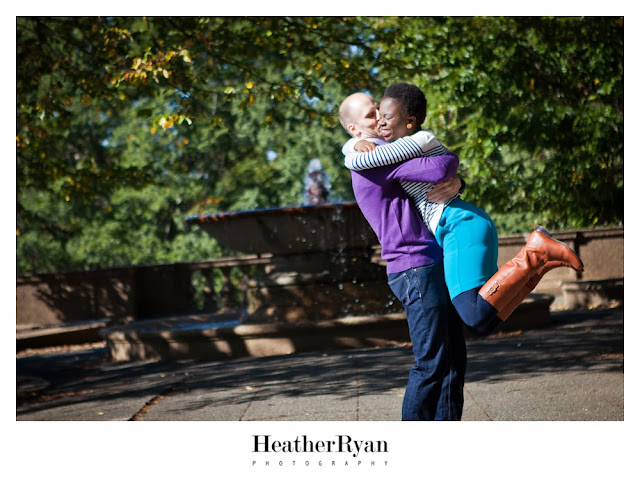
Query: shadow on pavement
x=589, y=340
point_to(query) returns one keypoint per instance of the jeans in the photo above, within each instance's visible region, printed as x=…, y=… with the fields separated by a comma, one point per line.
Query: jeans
x=436, y=381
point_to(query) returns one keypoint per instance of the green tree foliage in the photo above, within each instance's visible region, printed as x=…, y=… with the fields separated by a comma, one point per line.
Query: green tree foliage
x=125, y=126
x=534, y=106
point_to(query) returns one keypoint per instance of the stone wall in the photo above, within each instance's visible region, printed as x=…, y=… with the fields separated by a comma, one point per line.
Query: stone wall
x=601, y=250
x=51, y=299
x=140, y=292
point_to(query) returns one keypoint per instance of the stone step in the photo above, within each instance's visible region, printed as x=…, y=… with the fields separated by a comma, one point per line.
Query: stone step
x=55, y=335
x=213, y=340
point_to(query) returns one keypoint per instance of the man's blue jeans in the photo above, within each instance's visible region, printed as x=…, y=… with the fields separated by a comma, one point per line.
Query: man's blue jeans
x=434, y=390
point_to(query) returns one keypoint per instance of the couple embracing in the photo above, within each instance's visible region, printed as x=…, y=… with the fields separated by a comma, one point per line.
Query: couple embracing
x=441, y=252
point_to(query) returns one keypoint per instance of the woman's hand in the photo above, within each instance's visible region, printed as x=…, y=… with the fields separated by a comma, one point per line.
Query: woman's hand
x=364, y=146
x=444, y=191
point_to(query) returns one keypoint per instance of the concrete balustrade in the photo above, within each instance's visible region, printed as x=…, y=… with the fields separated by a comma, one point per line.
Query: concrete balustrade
x=122, y=295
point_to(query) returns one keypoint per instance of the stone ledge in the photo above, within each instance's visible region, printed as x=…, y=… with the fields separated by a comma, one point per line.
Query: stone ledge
x=254, y=340
x=592, y=293
x=154, y=340
x=56, y=335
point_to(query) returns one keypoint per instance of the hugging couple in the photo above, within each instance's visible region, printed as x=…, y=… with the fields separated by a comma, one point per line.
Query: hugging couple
x=441, y=252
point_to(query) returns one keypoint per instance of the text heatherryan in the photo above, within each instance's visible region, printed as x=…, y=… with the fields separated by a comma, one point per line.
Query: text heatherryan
x=302, y=444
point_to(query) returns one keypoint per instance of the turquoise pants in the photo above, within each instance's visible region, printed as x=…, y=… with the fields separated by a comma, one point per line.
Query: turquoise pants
x=469, y=242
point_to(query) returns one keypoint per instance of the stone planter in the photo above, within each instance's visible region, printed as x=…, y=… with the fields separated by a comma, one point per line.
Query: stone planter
x=592, y=293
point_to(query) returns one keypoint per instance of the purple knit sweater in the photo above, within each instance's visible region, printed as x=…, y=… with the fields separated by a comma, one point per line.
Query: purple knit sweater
x=405, y=240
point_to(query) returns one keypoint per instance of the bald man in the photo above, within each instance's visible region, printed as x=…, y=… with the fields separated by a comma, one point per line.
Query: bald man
x=414, y=269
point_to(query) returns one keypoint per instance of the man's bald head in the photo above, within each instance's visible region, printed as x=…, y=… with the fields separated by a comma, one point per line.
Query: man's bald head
x=358, y=115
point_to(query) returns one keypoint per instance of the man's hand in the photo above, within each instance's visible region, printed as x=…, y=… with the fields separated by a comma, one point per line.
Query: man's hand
x=444, y=191
x=364, y=146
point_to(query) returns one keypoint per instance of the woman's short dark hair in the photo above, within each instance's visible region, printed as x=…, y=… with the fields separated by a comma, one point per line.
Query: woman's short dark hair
x=411, y=99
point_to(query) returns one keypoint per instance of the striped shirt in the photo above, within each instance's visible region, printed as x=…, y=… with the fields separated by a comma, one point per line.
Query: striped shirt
x=400, y=150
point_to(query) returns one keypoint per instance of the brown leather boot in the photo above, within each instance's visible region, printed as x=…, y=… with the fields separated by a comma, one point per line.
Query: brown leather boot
x=512, y=277
x=529, y=286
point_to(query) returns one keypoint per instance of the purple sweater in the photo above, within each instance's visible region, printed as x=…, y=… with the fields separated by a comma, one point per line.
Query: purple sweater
x=405, y=240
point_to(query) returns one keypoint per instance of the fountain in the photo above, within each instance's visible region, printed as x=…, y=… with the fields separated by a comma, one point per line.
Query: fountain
x=319, y=288
x=319, y=257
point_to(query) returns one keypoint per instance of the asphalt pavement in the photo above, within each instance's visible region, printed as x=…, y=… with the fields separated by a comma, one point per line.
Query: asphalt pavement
x=570, y=370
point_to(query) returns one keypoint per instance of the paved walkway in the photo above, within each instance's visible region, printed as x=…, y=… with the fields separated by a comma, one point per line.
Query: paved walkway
x=572, y=370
